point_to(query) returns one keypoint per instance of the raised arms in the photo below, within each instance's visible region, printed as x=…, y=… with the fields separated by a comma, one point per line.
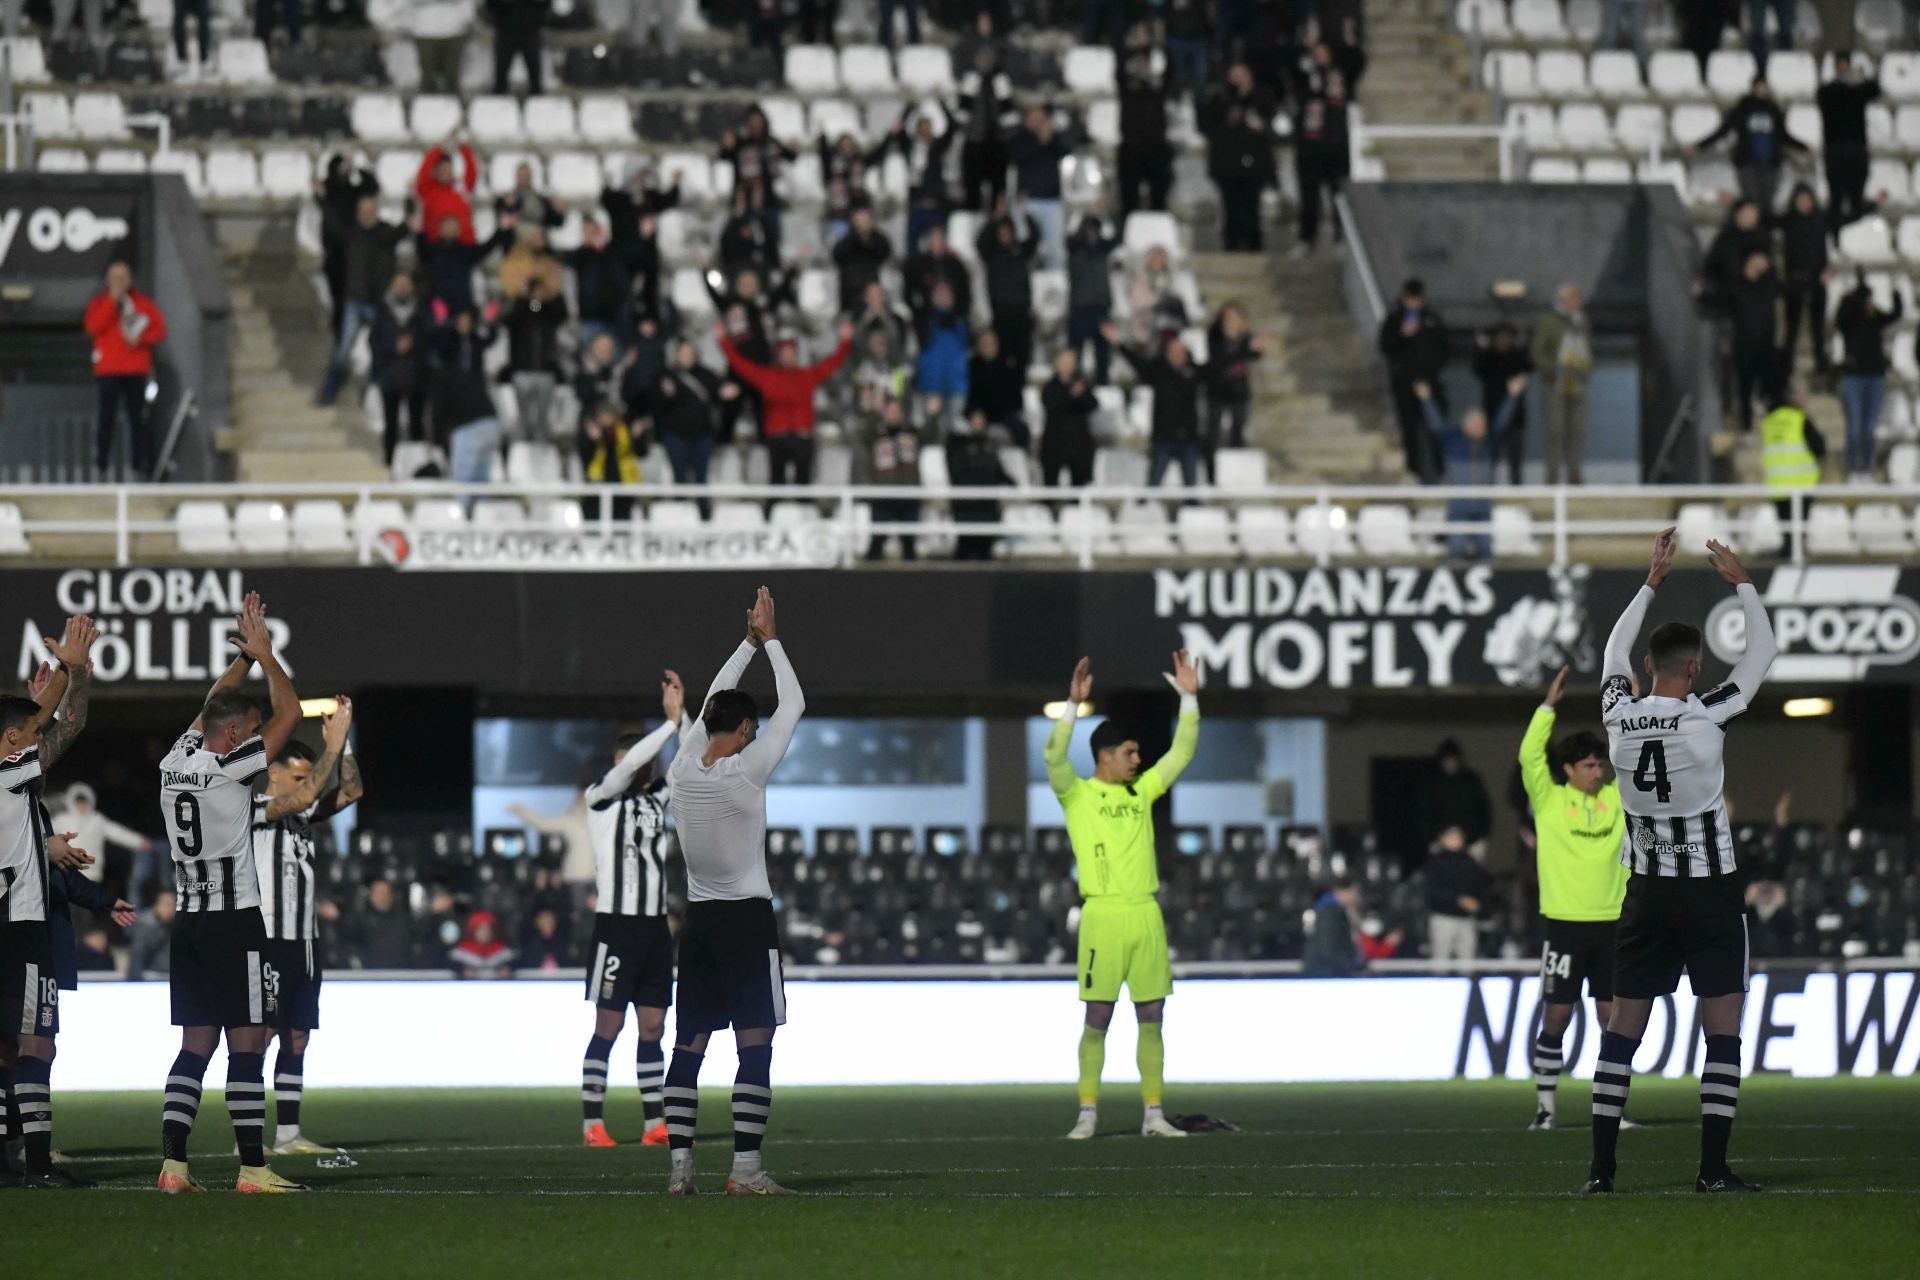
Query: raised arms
x=620, y=777
x=1060, y=774
x=1536, y=774
x=760, y=757
x=1619, y=658
x=1185, y=679
x=256, y=643
x=236, y=673
x=74, y=680
x=333, y=733
x=1732, y=697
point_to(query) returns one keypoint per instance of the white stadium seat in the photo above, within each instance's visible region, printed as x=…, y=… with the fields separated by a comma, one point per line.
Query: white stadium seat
x=320, y=526
x=380, y=117
x=812, y=68
x=1486, y=17
x=1804, y=123
x=99, y=117
x=498, y=513
x=1240, y=470
x=1696, y=522
x=203, y=528
x=866, y=70
x=1583, y=126
x=500, y=169
x=1868, y=242
x=1513, y=532
x=1386, y=530
x=286, y=173
x=574, y=175
x=1323, y=531
x=1693, y=121
x=1881, y=528
x=1510, y=73
x=926, y=69
x=1540, y=21
x=494, y=120
x=673, y=513
x=1264, y=531
x=187, y=165
x=1205, y=531
x=1891, y=177
x=1605, y=170
x=607, y=121
x=397, y=171
x=1561, y=73
x=119, y=160
x=831, y=117
x=550, y=120
x=1145, y=530
x=1830, y=531
x=1673, y=74
x=261, y=528
x=1036, y=534
x=1729, y=74
x=28, y=60
x=1080, y=526
x=433, y=117
x=51, y=114
x=1900, y=76
x=1535, y=123
x=443, y=515
x=1089, y=69
x=1615, y=76
x=1147, y=230
x=61, y=160
x=13, y=537
x=243, y=62
x=1792, y=75
x=232, y=174
x=1640, y=126
x=1761, y=533
x=1553, y=169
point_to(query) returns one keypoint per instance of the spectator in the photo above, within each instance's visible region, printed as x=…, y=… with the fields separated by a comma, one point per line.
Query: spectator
x=1863, y=371
x=1843, y=130
x=94, y=954
x=1467, y=453
x=862, y=253
x=1456, y=797
x=440, y=29
x=843, y=171
x=641, y=259
x=787, y=389
x=534, y=321
x=986, y=102
x=1623, y=25
x=150, y=942
x=1804, y=229
x=1757, y=28
x=603, y=281
x=1758, y=128
x=1146, y=157
x=1770, y=920
x=78, y=811
x=879, y=375
x=1563, y=353
x=516, y=35
x=750, y=237
x=528, y=262
x=610, y=449
x=1190, y=31
x=1037, y=152
x=480, y=953
x=1457, y=888
x=1157, y=309
x=443, y=194
x=1702, y=23
x=543, y=944
x=686, y=413
x=939, y=265
x=447, y=265
x=1743, y=234
x=1414, y=340
x=1331, y=950
x=910, y=9
x=751, y=312
x=645, y=363
x=756, y=156
x=263, y=17
x=1755, y=311
x=1066, y=441
x=941, y=373
x=1006, y=258
x=1232, y=347
x=1499, y=357
x=626, y=206
x=1175, y=380
x=1090, y=294
x=338, y=195
x=974, y=463
x=925, y=151
x=598, y=377
x=464, y=416
x=1792, y=451
x=125, y=325
x=879, y=316
x=995, y=382
x=94, y=17
x=198, y=10
x=526, y=204
x=1239, y=156
x=634, y=19
x=398, y=347
x=892, y=455
x=1325, y=86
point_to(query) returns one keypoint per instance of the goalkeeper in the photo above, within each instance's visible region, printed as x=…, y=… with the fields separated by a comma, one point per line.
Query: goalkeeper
x=1123, y=940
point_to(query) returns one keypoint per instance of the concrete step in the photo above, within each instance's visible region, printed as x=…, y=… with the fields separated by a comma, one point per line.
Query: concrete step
x=293, y=467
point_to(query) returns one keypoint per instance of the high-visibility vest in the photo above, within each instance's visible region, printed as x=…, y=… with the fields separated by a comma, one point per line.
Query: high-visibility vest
x=1786, y=462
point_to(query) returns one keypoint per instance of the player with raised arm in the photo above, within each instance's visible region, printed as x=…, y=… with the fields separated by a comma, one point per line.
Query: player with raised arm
x=29, y=986
x=1577, y=826
x=730, y=968
x=218, y=970
x=283, y=857
x=632, y=948
x=1123, y=939
x=1684, y=906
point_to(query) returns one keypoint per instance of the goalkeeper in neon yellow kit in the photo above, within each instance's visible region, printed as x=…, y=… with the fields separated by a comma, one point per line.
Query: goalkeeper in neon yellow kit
x=1123, y=940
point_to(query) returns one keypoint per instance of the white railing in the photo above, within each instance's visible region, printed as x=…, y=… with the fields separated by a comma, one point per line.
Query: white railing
x=1361, y=136
x=17, y=126
x=1322, y=524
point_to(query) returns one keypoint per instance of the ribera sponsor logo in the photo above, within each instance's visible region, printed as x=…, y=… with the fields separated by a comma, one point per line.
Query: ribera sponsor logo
x=1832, y=622
x=155, y=624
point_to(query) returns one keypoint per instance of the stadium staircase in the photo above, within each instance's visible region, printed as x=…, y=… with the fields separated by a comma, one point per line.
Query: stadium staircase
x=1420, y=72
x=280, y=346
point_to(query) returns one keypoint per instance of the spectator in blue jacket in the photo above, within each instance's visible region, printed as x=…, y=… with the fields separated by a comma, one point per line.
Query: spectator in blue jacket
x=1467, y=452
x=944, y=343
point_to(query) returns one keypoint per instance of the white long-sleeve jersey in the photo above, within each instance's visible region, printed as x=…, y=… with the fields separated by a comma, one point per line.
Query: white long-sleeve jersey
x=720, y=809
x=1669, y=752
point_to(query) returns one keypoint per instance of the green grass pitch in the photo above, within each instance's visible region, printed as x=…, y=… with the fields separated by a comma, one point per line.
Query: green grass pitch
x=1380, y=1181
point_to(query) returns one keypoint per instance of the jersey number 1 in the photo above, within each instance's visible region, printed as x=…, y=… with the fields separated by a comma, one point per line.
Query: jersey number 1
x=1651, y=773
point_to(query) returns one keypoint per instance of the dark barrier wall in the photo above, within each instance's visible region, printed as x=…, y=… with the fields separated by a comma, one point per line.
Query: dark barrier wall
x=953, y=639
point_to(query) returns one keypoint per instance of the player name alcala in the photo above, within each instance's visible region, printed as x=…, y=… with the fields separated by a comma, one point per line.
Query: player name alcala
x=1669, y=724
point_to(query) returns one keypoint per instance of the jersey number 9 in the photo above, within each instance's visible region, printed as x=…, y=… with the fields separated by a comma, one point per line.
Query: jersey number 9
x=186, y=818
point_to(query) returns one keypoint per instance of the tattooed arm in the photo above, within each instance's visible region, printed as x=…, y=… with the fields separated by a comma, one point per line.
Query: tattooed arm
x=351, y=788
x=72, y=718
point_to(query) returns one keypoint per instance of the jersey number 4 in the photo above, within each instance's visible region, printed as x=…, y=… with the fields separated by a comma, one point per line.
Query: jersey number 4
x=186, y=817
x=1651, y=773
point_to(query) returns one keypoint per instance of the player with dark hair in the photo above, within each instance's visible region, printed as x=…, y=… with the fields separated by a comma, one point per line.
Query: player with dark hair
x=218, y=972
x=29, y=985
x=632, y=957
x=1685, y=906
x=730, y=966
x=1577, y=826
x=283, y=857
x=1123, y=939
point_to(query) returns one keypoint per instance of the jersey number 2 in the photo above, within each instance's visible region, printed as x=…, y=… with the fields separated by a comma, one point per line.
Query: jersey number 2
x=1651, y=773
x=186, y=816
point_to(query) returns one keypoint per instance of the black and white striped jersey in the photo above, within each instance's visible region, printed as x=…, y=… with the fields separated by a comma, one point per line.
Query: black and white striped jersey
x=210, y=804
x=23, y=843
x=629, y=834
x=1669, y=753
x=283, y=863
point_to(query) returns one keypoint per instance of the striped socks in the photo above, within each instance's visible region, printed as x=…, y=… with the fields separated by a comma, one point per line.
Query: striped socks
x=1547, y=1065
x=34, y=1105
x=8, y=1124
x=1611, y=1076
x=752, y=1104
x=182, y=1106
x=247, y=1105
x=1093, y=1058
x=593, y=1082
x=289, y=1074
x=682, y=1099
x=651, y=1065
x=1719, y=1097
x=1151, y=1057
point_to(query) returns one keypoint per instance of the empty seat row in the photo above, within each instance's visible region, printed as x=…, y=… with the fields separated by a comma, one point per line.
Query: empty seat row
x=1832, y=529
x=1547, y=22
x=1673, y=75
x=868, y=69
x=1590, y=126
x=493, y=120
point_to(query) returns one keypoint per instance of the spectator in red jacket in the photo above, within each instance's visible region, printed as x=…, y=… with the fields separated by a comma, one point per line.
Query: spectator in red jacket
x=442, y=196
x=126, y=325
x=786, y=390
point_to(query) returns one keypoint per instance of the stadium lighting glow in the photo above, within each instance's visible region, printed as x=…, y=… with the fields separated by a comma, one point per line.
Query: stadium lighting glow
x=1801, y=708
x=1054, y=710
x=312, y=707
